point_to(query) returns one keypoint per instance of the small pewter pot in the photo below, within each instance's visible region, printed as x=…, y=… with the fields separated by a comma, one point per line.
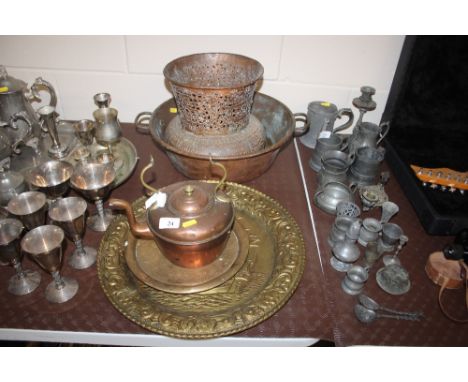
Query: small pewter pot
x=321, y=116
x=324, y=144
x=354, y=281
x=191, y=225
x=344, y=255
x=16, y=113
x=331, y=194
x=339, y=228
x=369, y=231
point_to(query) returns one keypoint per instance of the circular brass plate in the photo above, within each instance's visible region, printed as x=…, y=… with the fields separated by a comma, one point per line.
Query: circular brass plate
x=149, y=265
x=269, y=276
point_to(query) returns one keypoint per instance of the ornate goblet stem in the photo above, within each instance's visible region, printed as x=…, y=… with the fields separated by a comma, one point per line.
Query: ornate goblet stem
x=94, y=181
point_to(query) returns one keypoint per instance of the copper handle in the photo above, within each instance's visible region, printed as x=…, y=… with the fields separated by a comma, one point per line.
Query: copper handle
x=142, y=176
x=221, y=183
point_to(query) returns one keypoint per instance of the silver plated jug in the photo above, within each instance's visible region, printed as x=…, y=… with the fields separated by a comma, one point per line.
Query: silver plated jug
x=17, y=115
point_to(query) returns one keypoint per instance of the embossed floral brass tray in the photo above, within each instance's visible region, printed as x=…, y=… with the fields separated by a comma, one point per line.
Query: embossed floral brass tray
x=269, y=276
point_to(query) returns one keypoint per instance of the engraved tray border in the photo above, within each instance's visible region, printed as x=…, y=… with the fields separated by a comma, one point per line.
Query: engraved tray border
x=137, y=302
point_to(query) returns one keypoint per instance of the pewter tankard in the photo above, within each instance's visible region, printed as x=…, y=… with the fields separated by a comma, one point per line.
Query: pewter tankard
x=321, y=116
x=17, y=115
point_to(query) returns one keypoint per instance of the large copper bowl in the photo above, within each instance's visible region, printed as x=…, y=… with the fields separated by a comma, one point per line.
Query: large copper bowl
x=280, y=126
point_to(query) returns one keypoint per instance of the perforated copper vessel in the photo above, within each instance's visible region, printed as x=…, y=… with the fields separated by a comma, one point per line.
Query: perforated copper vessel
x=213, y=91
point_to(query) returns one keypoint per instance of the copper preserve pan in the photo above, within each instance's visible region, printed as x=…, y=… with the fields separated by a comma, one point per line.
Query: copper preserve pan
x=279, y=123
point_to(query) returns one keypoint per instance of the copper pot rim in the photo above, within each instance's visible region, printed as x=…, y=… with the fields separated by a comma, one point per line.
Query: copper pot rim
x=171, y=79
x=277, y=145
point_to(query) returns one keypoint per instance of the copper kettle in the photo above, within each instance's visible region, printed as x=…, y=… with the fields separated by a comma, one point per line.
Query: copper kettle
x=190, y=221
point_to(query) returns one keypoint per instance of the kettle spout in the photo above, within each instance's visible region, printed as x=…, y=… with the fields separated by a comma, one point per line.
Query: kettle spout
x=139, y=230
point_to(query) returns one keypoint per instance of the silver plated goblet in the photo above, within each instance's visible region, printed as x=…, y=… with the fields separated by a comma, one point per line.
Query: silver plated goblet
x=51, y=177
x=24, y=281
x=94, y=181
x=44, y=245
x=30, y=207
x=69, y=214
x=84, y=131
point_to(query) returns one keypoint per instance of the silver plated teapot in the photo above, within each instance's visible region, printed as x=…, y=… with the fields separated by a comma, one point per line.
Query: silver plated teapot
x=18, y=119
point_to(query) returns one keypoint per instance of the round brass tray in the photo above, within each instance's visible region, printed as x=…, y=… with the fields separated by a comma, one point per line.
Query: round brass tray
x=269, y=276
x=149, y=265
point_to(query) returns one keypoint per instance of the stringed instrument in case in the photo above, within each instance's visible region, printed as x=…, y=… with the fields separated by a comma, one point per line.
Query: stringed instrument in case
x=442, y=179
x=426, y=109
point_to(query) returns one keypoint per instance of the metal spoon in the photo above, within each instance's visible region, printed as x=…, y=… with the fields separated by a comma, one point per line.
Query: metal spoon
x=369, y=303
x=368, y=315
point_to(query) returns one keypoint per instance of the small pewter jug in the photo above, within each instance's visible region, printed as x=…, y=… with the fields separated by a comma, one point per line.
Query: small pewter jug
x=16, y=113
x=321, y=116
x=368, y=134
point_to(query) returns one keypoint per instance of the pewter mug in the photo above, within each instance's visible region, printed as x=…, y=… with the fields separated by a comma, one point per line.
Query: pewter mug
x=16, y=111
x=334, y=167
x=324, y=144
x=365, y=169
x=368, y=134
x=321, y=116
x=391, y=234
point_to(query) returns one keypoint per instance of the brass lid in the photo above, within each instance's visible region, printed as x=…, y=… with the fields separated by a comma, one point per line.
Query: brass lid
x=199, y=215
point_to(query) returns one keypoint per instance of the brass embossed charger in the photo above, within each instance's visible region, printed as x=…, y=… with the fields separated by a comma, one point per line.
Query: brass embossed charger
x=269, y=276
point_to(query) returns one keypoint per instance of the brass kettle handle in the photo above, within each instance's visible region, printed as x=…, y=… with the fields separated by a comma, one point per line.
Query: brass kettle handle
x=221, y=197
x=142, y=176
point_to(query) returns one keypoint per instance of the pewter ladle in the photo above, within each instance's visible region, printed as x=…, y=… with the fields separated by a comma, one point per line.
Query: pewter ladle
x=367, y=316
x=369, y=303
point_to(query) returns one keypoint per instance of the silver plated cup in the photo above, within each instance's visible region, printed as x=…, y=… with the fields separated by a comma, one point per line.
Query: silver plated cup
x=30, y=207
x=84, y=131
x=51, y=178
x=94, y=181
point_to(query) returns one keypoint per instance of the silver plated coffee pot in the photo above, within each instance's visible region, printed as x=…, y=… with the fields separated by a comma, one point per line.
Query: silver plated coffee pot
x=17, y=116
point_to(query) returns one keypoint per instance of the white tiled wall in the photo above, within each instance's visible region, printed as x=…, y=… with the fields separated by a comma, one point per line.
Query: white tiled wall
x=298, y=69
